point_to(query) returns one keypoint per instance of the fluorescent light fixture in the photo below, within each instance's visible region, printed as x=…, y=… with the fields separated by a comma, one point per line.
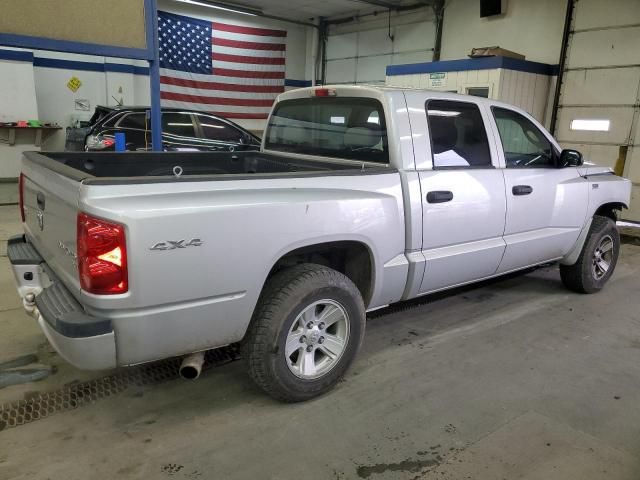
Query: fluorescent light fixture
x=591, y=125
x=339, y=120
x=224, y=6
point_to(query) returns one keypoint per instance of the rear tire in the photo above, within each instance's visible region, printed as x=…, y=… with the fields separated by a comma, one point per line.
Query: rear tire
x=598, y=258
x=305, y=332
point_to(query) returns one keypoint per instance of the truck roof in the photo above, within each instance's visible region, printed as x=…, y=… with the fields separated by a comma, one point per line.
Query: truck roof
x=377, y=91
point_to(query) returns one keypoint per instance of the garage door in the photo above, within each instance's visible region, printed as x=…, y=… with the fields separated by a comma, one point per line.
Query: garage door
x=599, y=105
x=362, y=56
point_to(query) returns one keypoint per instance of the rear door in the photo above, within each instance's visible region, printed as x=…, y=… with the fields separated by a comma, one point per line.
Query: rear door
x=463, y=197
x=546, y=205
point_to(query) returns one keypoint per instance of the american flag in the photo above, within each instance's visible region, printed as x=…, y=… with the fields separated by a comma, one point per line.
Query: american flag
x=230, y=70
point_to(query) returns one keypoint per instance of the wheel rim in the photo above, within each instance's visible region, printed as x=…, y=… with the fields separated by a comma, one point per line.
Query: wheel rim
x=317, y=339
x=602, y=257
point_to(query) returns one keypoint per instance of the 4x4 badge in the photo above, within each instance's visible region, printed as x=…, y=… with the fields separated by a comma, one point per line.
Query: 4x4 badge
x=174, y=244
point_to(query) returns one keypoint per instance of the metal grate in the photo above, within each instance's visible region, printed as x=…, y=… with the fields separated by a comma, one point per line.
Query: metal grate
x=79, y=394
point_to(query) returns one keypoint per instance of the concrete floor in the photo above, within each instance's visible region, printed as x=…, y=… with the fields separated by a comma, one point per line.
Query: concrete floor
x=516, y=378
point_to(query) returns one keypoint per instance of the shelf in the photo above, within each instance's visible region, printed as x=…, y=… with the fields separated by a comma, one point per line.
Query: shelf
x=41, y=133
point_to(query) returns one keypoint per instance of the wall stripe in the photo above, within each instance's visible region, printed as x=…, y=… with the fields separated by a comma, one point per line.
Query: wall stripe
x=16, y=55
x=43, y=62
x=484, y=63
x=288, y=82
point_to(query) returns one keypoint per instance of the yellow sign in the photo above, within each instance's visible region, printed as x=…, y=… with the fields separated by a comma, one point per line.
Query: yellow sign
x=74, y=84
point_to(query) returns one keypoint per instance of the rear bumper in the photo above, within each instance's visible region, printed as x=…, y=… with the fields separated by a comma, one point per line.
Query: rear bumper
x=85, y=341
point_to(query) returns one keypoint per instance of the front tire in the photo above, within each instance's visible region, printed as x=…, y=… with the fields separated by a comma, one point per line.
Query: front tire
x=305, y=332
x=598, y=258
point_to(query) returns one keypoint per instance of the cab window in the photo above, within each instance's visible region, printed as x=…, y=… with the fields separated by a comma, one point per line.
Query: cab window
x=338, y=127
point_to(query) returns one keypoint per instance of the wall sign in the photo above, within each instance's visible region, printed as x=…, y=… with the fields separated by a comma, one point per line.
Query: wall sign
x=74, y=84
x=82, y=104
x=437, y=79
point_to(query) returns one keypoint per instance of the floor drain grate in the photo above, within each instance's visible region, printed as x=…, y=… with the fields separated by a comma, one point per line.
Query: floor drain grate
x=79, y=394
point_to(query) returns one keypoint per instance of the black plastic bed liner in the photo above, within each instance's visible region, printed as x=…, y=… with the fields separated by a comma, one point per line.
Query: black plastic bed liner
x=110, y=166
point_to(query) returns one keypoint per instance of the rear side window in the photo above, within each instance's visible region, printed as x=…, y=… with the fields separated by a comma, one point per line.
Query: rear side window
x=340, y=127
x=134, y=120
x=458, y=135
x=178, y=124
x=214, y=129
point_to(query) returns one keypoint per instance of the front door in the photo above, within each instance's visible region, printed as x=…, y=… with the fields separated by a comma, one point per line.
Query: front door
x=463, y=198
x=546, y=205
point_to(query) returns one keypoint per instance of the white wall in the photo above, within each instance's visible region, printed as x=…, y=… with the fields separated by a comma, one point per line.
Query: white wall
x=531, y=28
x=359, y=52
x=529, y=91
x=17, y=102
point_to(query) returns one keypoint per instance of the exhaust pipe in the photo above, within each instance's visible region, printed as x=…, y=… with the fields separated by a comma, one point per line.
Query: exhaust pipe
x=192, y=366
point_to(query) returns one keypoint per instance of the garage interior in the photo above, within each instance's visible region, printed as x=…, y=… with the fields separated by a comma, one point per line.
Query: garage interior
x=514, y=377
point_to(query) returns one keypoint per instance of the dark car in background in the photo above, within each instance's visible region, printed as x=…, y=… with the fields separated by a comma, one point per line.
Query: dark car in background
x=182, y=130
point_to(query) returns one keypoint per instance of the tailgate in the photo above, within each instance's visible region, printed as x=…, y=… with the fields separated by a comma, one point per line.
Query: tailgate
x=50, y=203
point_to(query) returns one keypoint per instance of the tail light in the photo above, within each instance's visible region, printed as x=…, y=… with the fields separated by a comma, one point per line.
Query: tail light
x=102, y=256
x=98, y=142
x=324, y=92
x=21, y=196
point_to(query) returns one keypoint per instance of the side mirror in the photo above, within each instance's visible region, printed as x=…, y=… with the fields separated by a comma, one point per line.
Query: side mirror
x=570, y=158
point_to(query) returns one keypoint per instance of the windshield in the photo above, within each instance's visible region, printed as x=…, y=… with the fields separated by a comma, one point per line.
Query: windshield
x=349, y=128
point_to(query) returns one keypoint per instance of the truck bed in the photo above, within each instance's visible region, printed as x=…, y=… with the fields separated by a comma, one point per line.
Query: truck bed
x=143, y=167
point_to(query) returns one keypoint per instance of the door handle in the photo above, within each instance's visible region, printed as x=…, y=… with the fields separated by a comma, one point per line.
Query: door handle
x=522, y=189
x=40, y=200
x=439, y=196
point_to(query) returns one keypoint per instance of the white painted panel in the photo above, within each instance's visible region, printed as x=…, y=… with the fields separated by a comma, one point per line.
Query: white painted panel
x=531, y=28
x=341, y=71
x=605, y=155
x=605, y=48
x=620, y=118
x=411, y=57
x=417, y=36
x=540, y=96
x=599, y=13
x=374, y=42
x=372, y=69
x=597, y=86
x=342, y=46
x=633, y=156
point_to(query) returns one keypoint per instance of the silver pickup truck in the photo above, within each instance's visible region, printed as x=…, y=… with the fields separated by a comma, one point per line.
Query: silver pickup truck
x=360, y=197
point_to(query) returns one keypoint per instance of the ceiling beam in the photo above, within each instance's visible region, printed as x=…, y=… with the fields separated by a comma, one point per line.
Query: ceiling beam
x=380, y=3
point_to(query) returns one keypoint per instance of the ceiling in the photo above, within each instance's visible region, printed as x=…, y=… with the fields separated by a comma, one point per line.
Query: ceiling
x=307, y=9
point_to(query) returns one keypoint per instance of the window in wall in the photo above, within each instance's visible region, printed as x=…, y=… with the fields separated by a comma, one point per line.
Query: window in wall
x=524, y=145
x=478, y=91
x=458, y=134
x=590, y=125
x=178, y=124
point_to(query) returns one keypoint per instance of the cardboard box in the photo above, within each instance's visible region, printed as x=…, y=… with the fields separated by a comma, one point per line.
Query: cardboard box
x=494, y=52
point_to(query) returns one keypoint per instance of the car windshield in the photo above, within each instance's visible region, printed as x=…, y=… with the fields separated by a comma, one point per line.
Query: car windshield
x=349, y=128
